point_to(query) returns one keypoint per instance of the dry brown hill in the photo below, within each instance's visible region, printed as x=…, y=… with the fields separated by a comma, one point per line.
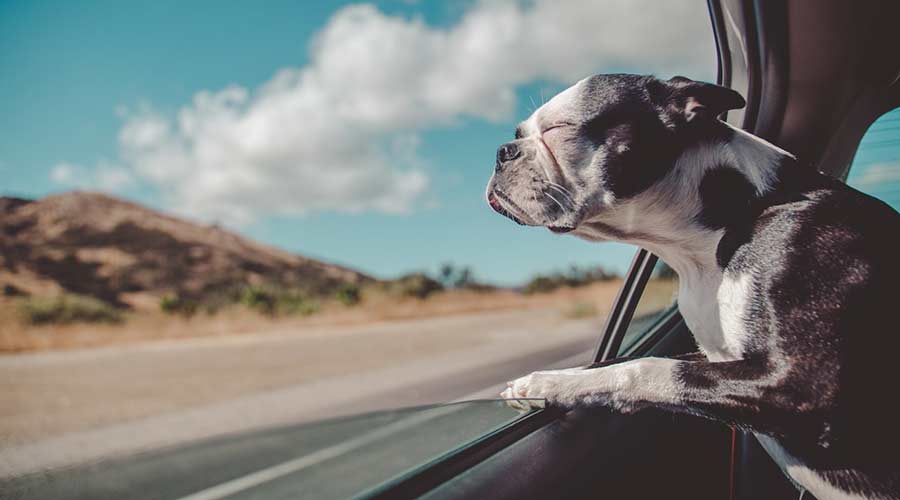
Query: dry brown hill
x=124, y=253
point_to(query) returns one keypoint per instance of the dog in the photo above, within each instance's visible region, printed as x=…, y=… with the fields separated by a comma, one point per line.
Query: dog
x=786, y=276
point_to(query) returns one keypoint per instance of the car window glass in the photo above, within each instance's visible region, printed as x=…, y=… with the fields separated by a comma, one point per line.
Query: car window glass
x=876, y=167
x=657, y=300
x=342, y=458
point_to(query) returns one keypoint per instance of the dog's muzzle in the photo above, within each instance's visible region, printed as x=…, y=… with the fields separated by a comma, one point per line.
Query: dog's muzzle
x=494, y=202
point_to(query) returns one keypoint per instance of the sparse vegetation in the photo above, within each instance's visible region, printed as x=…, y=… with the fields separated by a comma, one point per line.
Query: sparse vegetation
x=451, y=276
x=275, y=301
x=348, y=294
x=461, y=278
x=574, y=277
x=269, y=300
x=67, y=308
x=417, y=285
x=294, y=303
x=177, y=304
x=381, y=301
x=259, y=299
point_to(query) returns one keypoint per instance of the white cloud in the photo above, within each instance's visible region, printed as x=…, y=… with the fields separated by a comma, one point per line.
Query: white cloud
x=111, y=178
x=65, y=173
x=341, y=132
x=873, y=176
x=104, y=177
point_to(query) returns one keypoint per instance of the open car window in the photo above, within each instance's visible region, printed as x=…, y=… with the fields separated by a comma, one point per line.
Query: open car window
x=285, y=227
x=876, y=167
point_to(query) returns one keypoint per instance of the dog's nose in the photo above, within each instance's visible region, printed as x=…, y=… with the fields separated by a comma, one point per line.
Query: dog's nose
x=507, y=152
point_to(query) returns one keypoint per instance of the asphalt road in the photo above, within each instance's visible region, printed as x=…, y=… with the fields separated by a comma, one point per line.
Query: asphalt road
x=337, y=458
x=199, y=449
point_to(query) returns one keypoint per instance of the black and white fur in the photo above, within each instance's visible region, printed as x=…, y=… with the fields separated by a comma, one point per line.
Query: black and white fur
x=787, y=277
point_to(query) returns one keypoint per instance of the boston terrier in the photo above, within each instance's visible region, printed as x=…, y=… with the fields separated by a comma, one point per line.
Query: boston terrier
x=786, y=276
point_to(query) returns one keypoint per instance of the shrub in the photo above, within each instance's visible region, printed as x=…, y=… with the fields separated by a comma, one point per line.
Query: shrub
x=177, y=304
x=348, y=294
x=295, y=303
x=417, y=285
x=275, y=301
x=541, y=284
x=67, y=308
x=575, y=277
x=461, y=278
x=258, y=298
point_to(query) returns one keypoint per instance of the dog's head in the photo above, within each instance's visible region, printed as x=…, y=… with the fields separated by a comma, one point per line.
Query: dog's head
x=601, y=142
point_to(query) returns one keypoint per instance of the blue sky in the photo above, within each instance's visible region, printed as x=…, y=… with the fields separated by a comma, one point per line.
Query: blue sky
x=876, y=167
x=362, y=135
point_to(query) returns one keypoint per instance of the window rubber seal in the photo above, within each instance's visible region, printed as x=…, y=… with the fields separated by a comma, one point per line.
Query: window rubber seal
x=626, y=302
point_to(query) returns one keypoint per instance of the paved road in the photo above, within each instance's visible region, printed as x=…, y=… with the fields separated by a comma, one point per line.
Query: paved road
x=225, y=438
x=335, y=458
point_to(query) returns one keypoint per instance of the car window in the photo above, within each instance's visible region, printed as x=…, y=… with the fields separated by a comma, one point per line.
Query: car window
x=287, y=224
x=657, y=301
x=876, y=166
x=342, y=458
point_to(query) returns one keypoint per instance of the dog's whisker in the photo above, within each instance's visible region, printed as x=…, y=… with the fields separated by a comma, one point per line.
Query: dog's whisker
x=546, y=172
x=565, y=195
x=561, y=207
x=533, y=105
x=560, y=188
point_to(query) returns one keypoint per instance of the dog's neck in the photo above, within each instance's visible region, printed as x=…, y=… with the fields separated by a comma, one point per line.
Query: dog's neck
x=665, y=218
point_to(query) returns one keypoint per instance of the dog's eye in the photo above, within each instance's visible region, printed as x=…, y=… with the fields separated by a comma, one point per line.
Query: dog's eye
x=519, y=133
x=554, y=127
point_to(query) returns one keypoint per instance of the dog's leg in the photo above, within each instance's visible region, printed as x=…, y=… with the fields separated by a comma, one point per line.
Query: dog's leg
x=739, y=392
x=691, y=356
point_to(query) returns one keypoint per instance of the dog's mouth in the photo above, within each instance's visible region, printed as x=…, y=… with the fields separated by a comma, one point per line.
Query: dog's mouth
x=494, y=201
x=494, y=198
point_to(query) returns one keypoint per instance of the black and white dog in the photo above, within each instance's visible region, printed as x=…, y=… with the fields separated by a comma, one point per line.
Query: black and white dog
x=787, y=277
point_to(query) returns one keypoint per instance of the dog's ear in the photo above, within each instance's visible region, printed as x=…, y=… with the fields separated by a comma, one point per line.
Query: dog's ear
x=699, y=100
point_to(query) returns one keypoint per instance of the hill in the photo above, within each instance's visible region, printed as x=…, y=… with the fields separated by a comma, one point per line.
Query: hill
x=130, y=255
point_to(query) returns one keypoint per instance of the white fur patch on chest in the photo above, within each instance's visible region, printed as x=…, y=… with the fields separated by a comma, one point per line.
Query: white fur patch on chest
x=715, y=309
x=734, y=298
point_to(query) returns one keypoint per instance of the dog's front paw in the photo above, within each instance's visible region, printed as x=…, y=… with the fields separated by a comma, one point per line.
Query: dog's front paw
x=613, y=387
x=531, y=391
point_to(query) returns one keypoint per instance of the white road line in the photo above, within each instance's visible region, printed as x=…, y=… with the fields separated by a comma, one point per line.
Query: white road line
x=274, y=472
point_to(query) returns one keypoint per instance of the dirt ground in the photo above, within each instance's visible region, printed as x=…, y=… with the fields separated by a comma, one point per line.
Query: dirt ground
x=153, y=325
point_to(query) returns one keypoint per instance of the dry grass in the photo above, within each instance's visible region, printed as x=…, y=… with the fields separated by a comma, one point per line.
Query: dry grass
x=153, y=325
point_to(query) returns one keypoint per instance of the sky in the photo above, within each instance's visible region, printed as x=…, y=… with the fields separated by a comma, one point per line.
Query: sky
x=358, y=133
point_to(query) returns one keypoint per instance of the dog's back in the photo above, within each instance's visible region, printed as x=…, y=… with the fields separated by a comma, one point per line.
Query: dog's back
x=824, y=258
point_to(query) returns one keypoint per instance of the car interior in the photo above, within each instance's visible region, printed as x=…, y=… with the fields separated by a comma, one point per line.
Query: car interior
x=816, y=75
